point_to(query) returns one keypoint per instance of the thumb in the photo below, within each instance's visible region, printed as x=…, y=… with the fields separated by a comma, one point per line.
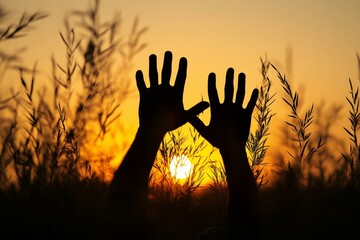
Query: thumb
x=252, y=101
x=199, y=126
x=197, y=109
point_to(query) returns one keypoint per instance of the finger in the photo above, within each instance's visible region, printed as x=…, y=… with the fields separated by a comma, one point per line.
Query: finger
x=199, y=126
x=229, y=86
x=153, y=74
x=140, y=81
x=166, y=71
x=181, y=76
x=252, y=101
x=213, y=94
x=240, y=94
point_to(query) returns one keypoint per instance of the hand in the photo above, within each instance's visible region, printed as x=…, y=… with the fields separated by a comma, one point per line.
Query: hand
x=228, y=130
x=230, y=123
x=161, y=105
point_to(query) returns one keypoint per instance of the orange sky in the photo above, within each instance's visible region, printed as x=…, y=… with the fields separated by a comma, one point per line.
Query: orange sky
x=323, y=36
x=214, y=35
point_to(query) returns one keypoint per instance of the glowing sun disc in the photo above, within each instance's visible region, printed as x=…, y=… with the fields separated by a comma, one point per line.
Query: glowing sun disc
x=180, y=167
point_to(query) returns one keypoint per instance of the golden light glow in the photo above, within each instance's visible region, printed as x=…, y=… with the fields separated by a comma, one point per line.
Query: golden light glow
x=180, y=167
x=212, y=45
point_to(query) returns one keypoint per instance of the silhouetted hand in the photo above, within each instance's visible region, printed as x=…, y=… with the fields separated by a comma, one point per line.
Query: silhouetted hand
x=228, y=130
x=161, y=105
x=230, y=122
x=161, y=110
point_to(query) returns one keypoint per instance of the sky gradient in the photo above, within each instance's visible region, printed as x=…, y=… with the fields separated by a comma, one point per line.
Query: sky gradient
x=313, y=42
x=323, y=37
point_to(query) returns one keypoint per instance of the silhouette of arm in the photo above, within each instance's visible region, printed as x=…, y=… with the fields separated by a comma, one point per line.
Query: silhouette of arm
x=161, y=110
x=228, y=130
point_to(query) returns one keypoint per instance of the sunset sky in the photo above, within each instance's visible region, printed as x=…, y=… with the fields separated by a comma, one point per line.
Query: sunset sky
x=321, y=38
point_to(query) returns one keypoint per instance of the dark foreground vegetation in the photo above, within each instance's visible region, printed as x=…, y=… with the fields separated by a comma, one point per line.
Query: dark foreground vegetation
x=75, y=211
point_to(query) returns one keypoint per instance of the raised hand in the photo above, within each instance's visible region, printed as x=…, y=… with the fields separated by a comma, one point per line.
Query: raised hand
x=161, y=109
x=230, y=122
x=161, y=105
x=228, y=130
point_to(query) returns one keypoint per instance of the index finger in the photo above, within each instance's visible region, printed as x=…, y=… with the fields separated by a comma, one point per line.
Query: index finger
x=140, y=81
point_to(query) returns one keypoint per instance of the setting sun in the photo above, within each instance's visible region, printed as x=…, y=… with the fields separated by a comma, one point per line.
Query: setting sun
x=181, y=167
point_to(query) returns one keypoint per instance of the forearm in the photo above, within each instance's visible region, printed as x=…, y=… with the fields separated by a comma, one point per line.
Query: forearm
x=131, y=178
x=127, y=195
x=240, y=178
x=242, y=190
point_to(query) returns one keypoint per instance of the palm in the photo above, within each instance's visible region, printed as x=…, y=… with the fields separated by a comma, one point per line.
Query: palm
x=230, y=122
x=159, y=108
x=161, y=105
x=228, y=125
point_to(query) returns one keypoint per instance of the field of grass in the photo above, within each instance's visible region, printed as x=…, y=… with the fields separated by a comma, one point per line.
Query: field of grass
x=53, y=184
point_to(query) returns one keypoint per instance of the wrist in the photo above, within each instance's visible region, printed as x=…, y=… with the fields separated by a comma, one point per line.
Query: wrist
x=233, y=150
x=138, y=161
x=235, y=160
x=151, y=134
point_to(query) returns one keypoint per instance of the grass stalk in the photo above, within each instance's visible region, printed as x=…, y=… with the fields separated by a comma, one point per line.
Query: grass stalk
x=299, y=126
x=256, y=144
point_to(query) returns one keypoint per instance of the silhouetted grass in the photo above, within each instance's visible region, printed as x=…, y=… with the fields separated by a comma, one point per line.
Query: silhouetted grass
x=17, y=30
x=323, y=169
x=352, y=158
x=164, y=186
x=293, y=171
x=53, y=182
x=52, y=137
x=256, y=143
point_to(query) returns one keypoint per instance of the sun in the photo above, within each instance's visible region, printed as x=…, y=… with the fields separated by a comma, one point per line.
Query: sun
x=180, y=167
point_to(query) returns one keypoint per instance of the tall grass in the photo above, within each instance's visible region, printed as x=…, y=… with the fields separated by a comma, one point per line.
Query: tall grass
x=13, y=31
x=163, y=182
x=52, y=137
x=173, y=201
x=352, y=158
x=17, y=30
x=256, y=144
x=53, y=177
x=9, y=105
x=293, y=171
x=322, y=168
